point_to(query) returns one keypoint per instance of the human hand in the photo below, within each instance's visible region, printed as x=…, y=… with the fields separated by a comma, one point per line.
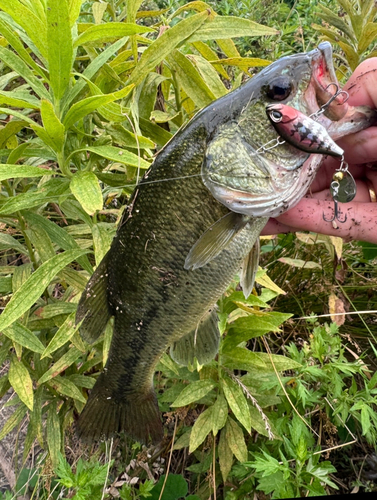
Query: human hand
x=361, y=155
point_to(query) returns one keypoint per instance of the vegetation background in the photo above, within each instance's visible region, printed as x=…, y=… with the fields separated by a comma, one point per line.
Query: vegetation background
x=89, y=90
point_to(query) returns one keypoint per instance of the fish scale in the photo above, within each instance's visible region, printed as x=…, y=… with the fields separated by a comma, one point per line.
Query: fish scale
x=192, y=223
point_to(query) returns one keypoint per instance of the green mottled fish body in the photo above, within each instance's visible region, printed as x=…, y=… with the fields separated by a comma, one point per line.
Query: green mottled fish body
x=192, y=223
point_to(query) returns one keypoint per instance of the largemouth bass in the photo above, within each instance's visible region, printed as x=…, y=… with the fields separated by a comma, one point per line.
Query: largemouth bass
x=192, y=223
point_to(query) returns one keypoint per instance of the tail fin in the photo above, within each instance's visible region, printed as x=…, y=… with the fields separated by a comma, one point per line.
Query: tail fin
x=103, y=417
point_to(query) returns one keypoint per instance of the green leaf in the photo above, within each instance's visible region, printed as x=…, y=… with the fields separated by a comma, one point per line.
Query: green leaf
x=62, y=336
x=201, y=429
x=58, y=236
x=13, y=421
x=19, y=99
x=225, y=455
x=236, y=440
x=74, y=7
x=220, y=414
x=101, y=241
x=52, y=125
x=194, y=391
x=307, y=264
x=66, y=388
x=53, y=433
x=62, y=364
x=209, y=75
x=34, y=286
x=164, y=44
x=246, y=328
x=222, y=27
x=86, y=189
x=21, y=382
x=240, y=358
x=26, y=200
x=281, y=363
x=119, y=155
x=190, y=79
x=109, y=32
x=90, y=104
x=59, y=41
x=10, y=129
x=237, y=401
x=23, y=336
x=7, y=241
x=125, y=138
x=17, y=64
x=34, y=27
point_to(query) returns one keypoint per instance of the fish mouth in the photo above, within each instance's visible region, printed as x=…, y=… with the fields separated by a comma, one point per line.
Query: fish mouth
x=326, y=99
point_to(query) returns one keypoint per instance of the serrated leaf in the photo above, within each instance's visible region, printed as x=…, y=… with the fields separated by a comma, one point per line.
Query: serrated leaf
x=66, y=388
x=108, y=32
x=236, y=440
x=201, y=429
x=90, y=104
x=23, y=336
x=59, y=46
x=21, y=382
x=62, y=336
x=86, y=189
x=223, y=27
x=225, y=455
x=62, y=364
x=34, y=286
x=164, y=44
x=13, y=421
x=193, y=392
x=237, y=401
x=53, y=433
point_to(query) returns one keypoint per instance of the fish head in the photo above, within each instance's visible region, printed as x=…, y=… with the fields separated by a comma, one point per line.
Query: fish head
x=248, y=167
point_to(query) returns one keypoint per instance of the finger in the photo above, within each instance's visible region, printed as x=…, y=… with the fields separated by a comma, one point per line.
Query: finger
x=362, y=85
x=361, y=223
x=273, y=226
x=360, y=147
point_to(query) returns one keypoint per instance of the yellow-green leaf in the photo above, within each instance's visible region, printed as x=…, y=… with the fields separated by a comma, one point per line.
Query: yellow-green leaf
x=66, y=388
x=307, y=264
x=53, y=126
x=53, y=433
x=225, y=455
x=86, y=189
x=101, y=241
x=119, y=155
x=59, y=44
x=109, y=32
x=167, y=42
x=34, y=286
x=201, y=429
x=194, y=391
x=13, y=421
x=237, y=401
x=21, y=382
x=62, y=364
x=220, y=414
x=23, y=336
x=62, y=336
x=236, y=440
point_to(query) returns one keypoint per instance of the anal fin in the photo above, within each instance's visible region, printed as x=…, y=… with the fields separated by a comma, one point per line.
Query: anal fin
x=249, y=269
x=215, y=239
x=202, y=343
x=93, y=309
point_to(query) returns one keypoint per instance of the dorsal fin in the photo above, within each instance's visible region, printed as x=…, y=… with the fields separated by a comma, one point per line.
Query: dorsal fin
x=93, y=307
x=201, y=343
x=215, y=239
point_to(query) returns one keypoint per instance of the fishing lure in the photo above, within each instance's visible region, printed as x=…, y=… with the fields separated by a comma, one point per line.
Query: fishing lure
x=342, y=189
x=301, y=131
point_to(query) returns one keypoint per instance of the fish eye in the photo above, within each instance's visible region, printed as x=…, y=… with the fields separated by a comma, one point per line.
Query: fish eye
x=279, y=89
x=276, y=116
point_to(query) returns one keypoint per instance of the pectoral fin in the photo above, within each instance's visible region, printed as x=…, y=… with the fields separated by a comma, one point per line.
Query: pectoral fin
x=202, y=343
x=249, y=269
x=215, y=239
x=93, y=307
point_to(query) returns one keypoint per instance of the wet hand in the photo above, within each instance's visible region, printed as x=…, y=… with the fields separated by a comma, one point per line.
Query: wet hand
x=361, y=155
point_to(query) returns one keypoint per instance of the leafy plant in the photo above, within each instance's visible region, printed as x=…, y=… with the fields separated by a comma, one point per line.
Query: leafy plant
x=353, y=28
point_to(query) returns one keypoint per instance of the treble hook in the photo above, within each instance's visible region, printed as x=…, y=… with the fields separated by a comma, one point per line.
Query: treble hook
x=337, y=214
x=338, y=91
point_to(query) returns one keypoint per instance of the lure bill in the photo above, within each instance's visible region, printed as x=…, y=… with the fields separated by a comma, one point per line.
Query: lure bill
x=301, y=131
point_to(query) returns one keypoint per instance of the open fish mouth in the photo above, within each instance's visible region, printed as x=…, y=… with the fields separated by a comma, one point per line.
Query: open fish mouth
x=328, y=102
